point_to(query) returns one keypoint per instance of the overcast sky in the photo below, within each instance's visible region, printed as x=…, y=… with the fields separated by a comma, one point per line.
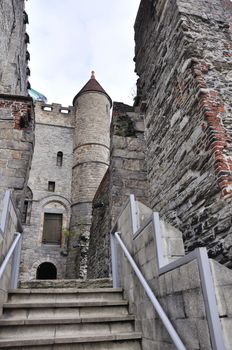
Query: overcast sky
x=70, y=38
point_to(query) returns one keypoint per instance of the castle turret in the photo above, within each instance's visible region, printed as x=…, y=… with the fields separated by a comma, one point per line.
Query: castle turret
x=91, y=159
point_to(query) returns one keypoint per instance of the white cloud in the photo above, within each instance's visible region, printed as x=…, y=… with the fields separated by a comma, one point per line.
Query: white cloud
x=70, y=38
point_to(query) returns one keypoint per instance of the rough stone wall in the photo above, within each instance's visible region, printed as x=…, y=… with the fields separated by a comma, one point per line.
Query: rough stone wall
x=183, y=59
x=99, y=245
x=53, y=133
x=126, y=175
x=16, y=144
x=91, y=160
x=13, y=46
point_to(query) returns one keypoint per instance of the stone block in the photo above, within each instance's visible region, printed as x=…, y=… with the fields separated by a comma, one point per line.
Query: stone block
x=175, y=307
x=203, y=334
x=221, y=274
x=168, y=281
x=221, y=301
x=175, y=247
x=187, y=330
x=194, y=303
x=162, y=285
x=194, y=275
x=180, y=279
x=227, y=293
x=226, y=329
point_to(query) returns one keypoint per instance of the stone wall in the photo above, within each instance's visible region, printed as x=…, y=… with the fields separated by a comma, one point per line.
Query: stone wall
x=53, y=133
x=13, y=47
x=183, y=59
x=99, y=245
x=16, y=144
x=127, y=174
x=9, y=225
x=178, y=288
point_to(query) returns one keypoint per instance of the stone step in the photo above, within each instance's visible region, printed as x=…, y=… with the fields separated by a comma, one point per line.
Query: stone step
x=60, y=329
x=64, y=310
x=17, y=322
x=64, y=318
x=64, y=304
x=122, y=341
x=92, y=283
x=62, y=295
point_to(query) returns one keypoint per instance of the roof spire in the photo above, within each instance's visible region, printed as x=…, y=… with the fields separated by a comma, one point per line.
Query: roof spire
x=92, y=74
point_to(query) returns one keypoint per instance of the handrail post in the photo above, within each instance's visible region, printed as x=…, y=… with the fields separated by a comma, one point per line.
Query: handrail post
x=114, y=259
x=15, y=264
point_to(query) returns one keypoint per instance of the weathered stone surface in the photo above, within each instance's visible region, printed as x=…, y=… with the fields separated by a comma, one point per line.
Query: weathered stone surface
x=126, y=175
x=53, y=134
x=13, y=46
x=90, y=163
x=183, y=59
x=66, y=283
x=179, y=291
x=16, y=144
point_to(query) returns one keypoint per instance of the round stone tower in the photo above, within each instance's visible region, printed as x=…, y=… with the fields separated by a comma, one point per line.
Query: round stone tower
x=91, y=159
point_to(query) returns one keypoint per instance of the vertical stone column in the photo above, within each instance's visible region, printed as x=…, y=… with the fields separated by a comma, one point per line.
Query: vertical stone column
x=91, y=159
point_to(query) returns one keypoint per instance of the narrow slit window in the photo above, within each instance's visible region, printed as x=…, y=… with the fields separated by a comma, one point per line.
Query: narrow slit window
x=51, y=186
x=25, y=211
x=59, y=159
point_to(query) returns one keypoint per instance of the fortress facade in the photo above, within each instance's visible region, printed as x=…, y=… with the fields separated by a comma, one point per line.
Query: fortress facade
x=172, y=149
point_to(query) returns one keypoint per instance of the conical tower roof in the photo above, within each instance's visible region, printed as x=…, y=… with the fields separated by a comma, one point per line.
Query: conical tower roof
x=92, y=86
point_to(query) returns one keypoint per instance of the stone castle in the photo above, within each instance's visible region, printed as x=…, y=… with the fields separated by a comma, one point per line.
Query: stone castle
x=172, y=149
x=67, y=172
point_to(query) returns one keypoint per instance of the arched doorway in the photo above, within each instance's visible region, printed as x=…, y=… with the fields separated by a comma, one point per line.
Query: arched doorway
x=46, y=271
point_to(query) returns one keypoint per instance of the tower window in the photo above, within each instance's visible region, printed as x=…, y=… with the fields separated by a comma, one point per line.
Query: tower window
x=25, y=210
x=59, y=159
x=51, y=186
x=52, y=228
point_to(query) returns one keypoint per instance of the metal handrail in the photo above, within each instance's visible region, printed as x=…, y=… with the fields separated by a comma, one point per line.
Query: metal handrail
x=9, y=255
x=169, y=327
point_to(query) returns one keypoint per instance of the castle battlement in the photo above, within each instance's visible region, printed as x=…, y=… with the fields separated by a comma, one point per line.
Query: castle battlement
x=54, y=107
x=54, y=114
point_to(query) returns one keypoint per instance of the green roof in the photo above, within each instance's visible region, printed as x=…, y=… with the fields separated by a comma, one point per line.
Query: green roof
x=37, y=96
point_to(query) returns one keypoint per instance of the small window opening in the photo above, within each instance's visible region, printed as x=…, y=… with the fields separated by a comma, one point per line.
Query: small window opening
x=46, y=271
x=25, y=210
x=22, y=123
x=52, y=228
x=47, y=108
x=51, y=186
x=59, y=159
x=27, y=206
x=64, y=110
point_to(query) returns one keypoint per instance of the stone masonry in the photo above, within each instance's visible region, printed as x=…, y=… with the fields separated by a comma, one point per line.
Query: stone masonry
x=91, y=159
x=16, y=143
x=183, y=59
x=126, y=175
x=13, y=47
x=53, y=133
x=16, y=108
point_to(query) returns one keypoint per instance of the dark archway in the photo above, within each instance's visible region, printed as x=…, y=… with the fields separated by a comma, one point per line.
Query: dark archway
x=46, y=271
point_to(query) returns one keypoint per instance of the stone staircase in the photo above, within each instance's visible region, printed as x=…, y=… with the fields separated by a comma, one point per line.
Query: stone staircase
x=67, y=318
